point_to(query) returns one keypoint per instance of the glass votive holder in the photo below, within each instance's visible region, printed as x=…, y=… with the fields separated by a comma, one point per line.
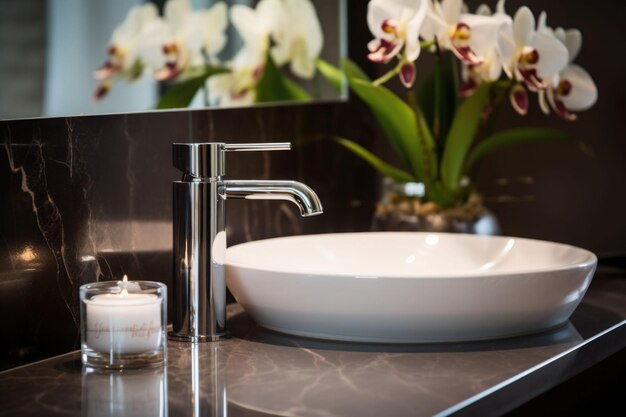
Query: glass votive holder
x=124, y=393
x=123, y=324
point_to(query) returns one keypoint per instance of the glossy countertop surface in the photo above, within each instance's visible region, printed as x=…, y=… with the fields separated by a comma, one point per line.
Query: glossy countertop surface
x=259, y=372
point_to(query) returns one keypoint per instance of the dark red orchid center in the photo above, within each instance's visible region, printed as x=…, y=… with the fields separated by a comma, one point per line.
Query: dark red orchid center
x=170, y=48
x=564, y=88
x=383, y=52
x=389, y=26
x=531, y=79
x=530, y=56
x=461, y=32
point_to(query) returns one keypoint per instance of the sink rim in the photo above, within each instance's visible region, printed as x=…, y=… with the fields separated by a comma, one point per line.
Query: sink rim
x=584, y=257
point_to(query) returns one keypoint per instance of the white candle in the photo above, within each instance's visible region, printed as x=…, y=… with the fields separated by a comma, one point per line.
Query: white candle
x=124, y=323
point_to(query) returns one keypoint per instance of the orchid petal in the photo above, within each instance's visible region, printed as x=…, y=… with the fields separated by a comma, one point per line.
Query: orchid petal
x=451, y=10
x=506, y=48
x=583, y=93
x=573, y=41
x=434, y=25
x=216, y=21
x=559, y=107
x=301, y=64
x=493, y=67
x=542, y=21
x=553, y=56
x=484, y=10
x=523, y=26
x=484, y=32
x=377, y=13
x=500, y=7
x=412, y=36
x=297, y=35
x=137, y=17
x=175, y=12
x=543, y=102
x=382, y=50
x=519, y=99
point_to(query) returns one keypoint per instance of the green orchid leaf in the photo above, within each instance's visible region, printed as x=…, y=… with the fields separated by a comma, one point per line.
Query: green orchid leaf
x=518, y=136
x=274, y=86
x=181, y=94
x=427, y=143
x=352, y=70
x=438, y=96
x=381, y=166
x=395, y=117
x=461, y=135
x=332, y=74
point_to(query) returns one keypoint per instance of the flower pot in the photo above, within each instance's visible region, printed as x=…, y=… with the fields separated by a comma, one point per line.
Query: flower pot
x=402, y=208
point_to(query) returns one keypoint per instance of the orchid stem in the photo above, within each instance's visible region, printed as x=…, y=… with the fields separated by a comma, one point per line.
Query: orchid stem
x=389, y=75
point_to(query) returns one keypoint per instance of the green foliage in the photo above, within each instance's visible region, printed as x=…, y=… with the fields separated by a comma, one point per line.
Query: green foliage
x=513, y=137
x=438, y=96
x=396, y=118
x=461, y=135
x=181, y=94
x=332, y=74
x=274, y=86
x=381, y=166
x=434, y=135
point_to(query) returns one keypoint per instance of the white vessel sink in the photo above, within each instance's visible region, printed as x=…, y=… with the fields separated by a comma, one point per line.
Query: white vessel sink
x=408, y=287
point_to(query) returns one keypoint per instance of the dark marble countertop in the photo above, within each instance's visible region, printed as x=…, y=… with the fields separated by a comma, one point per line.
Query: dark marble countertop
x=258, y=373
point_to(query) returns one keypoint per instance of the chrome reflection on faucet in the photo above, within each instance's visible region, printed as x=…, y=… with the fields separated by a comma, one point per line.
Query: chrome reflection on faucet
x=199, y=287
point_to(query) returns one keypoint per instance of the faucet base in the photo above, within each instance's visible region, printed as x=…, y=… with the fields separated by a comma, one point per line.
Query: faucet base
x=179, y=337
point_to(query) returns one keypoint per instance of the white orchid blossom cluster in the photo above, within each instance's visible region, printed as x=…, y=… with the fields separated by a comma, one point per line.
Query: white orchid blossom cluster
x=289, y=30
x=533, y=56
x=179, y=44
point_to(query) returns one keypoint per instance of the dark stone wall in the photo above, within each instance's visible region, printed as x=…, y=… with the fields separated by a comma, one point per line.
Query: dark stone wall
x=89, y=198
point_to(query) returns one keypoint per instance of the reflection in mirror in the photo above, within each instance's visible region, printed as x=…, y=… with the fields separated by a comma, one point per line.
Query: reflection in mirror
x=74, y=57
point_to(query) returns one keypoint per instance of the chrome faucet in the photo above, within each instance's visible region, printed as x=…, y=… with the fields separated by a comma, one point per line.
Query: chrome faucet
x=199, y=287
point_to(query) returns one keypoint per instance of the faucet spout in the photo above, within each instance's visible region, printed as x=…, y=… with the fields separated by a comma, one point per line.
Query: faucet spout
x=296, y=192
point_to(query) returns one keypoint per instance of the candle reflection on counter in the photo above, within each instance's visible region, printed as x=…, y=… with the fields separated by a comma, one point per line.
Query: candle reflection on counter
x=127, y=393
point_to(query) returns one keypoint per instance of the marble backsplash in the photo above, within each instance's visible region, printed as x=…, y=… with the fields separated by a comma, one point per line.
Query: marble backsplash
x=89, y=198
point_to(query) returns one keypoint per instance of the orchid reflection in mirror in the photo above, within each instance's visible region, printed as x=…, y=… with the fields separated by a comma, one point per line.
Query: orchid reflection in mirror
x=193, y=55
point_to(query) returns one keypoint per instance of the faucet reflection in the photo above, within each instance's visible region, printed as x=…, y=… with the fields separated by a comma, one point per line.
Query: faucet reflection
x=199, y=231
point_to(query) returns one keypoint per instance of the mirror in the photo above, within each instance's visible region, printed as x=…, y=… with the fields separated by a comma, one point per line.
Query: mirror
x=72, y=57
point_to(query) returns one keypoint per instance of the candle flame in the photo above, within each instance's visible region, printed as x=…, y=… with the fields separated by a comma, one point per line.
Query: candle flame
x=124, y=292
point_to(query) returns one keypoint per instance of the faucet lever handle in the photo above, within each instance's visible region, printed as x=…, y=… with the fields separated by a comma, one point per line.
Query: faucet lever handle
x=201, y=161
x=245, y=147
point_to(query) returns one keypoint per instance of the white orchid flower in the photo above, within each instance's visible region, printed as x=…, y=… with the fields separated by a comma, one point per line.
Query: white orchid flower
x=254, y=27
x=470, y=37
x=126, y=44
x=238, y=87
x=484, y=46
x=531, y=56
x=195, y=37
x=573, y=89
x=298, y=36
x=395, y=25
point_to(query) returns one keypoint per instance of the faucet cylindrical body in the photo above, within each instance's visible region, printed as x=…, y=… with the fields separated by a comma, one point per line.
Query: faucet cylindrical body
x=199, y=249
x=199, y=232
